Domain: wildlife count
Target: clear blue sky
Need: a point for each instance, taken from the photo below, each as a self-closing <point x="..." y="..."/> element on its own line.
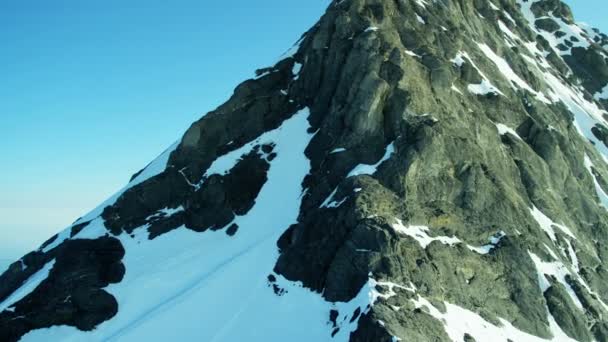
<point x="91" y="91"/>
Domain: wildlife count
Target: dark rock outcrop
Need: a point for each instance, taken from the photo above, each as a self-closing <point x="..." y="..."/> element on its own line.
<point x="447" y="160"/>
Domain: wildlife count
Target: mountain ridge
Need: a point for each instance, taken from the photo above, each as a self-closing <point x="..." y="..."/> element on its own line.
<point x="451" y="163"/>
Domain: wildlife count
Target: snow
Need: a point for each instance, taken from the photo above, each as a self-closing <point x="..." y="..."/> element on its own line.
<point x="412" y="53"/>
<point x="486" y="249"/>
<point x="330" y="202"/>
<point x="602" y="94"/>
<point x="454" y="88"/>
<point x="223" y="164"/>
<point x="510" y="37"/>
<point x="509" y="74"/>
<point x="598" y="188"/>
<point x="61" y="237"/>
<point x="587" y="114"/>
<point x="505" y="29"/>
<point x="459" y="321"/>
<point x="371" y="29"/>
<point x="573" y="257"/>
<point x="297" y="67"/>
<point x="420" y="20"/>
<point x="509" y="17"/>
<point x="374" y="294"/>
<point x="559" y="271"/>
<point x="166" y="212"/>
<point x="570" y="30"/>
<point x="547" y="224"/>
<point x="94" y="230"/>
<point x="420" y="234"/>
<point x="504" y="129"/>
<point x="28" y="286"/>
<point x="183" y="269"/>
<point x="551" y="252"/>
<point x="365" y="169"/>
<point x="422" y="3"/>
<point x="504" y="68"/>
<point x="154" y="168"/>
<point x="459" y="59"/>
<point x="483" y="88"/>
<point x="338" y="150"/>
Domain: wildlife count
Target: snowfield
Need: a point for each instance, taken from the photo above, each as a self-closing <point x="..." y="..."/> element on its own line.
<point x="177" y="281"/>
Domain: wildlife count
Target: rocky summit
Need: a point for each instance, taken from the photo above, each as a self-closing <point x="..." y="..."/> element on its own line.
<point x="412" y="170"/>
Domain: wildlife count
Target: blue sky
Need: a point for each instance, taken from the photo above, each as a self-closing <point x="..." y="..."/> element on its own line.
<point x="90" y="93"/>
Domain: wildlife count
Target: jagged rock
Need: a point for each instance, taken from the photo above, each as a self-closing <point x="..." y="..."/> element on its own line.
<point x="547" y="24"/>
<point x="72" y="294"/>
<point x="443" y="158"/>
<point x="563" y="309"/>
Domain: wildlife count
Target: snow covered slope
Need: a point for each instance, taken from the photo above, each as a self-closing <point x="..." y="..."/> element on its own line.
<point x="416" y="170"/>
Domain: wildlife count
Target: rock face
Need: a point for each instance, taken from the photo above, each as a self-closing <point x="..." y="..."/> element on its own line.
<point x="416" y="170"/>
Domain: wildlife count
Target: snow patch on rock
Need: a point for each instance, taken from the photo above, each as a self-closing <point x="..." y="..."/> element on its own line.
<point x="28" y="286"/>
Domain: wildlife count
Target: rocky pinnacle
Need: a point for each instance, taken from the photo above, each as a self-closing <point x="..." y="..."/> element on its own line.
<point x="416" y="170"/>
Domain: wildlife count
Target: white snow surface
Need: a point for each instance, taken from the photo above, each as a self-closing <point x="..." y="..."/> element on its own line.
<point x="573" y="257"/>
<point x="486" y="249"/>
<point x="504" y="129"/>
<point x="365" y="169"/>
<point x="505" y="69"/>
<point x="558" y="270"/>
<point x="420" y="234"/>
<point x="297" y="67"/>
<point x="422" y="3"/>
<point x="184" y="271"/>
<point x="602" y="94"/>
<point x="598" y="188"/>
<point x="166" y="212"/>
<point x="483" y="88"/>
<point x="547" y="224"/>
<point x="420" y="20"/>
<point x="331" y="203"/>
<point x="412" y="53"/>
<point x="28" y="286"/>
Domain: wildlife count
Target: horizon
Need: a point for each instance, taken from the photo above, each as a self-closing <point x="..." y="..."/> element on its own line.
<point x="92" y="95"/>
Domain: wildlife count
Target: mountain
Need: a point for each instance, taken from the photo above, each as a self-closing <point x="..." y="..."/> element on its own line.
<point x="412" y="170"/>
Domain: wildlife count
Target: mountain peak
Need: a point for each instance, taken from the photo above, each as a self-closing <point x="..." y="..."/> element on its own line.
<point x="412" y="170"/>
